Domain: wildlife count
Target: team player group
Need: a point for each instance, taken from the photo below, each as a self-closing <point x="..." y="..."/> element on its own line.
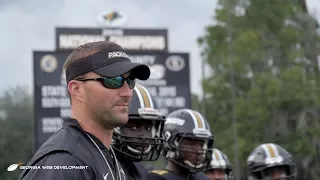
<point x="115" y="126"/>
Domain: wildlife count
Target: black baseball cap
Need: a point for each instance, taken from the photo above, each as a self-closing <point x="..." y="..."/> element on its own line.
<point x="110" y="62"/>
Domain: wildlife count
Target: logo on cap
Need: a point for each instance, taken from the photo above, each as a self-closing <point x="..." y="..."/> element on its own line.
<point x="117" y="54"/>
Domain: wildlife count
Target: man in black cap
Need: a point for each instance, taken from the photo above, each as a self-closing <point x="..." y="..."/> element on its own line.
<point x="100" y="78"/>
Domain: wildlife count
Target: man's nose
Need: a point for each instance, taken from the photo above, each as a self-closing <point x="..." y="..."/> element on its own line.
<point x="125" y="90"/>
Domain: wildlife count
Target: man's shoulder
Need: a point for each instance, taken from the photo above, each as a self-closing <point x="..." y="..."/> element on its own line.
<point x="59" y="157"/>
<point x="64" y="139"/>
<point x="67" y="137"/>
<point x="64" y="142"/>
<point x="200" y="176"/>
<point x="140" y="166"/>
<point x="168" y="175"/>
<point x="142" y="170"/>
<point x="56" y="161"/>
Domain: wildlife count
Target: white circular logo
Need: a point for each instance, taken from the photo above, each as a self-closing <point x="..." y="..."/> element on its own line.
<point x="48" y="63"/>
<point x="175" y="63"/>
<point x="111" y="18"/>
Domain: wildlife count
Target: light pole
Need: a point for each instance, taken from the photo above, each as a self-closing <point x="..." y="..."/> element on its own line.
<point x="233" y="90"/>
<point x="204" y="106"/>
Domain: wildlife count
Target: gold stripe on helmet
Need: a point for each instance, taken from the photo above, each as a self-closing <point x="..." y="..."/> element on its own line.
<point x="216" y="155"/>
<point x="145" y="97"/>
<point x="271" y="150"/>
<point x="198" y="118"/>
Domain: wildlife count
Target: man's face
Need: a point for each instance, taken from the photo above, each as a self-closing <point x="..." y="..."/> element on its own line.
<point x="216" y="174"/>
<point x="138" y="128"/>
<point x="192" y="150"/>
<point x="108" y="106"/>
<point x="275" y="172"/>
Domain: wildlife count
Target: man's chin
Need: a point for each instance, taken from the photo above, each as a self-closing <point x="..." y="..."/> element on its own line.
<point x="122" y="119"/>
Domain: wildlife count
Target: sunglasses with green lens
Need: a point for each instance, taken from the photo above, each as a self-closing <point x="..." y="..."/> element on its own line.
<point x="113" y="82"/>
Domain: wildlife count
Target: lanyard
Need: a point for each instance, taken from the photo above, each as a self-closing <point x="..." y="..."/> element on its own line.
<point x="110" y="170"/>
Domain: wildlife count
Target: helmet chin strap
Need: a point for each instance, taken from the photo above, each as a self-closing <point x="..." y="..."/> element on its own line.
<point x="136" y="151"/>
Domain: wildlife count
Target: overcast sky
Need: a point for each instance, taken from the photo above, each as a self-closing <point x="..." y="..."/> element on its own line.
<point x="28" y="25"/>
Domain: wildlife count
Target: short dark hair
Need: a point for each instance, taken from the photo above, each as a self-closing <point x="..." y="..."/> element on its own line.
<point x="88" y="49"/>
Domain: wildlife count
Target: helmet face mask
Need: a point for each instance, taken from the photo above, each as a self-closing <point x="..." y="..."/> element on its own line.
<point x="276" y="172"/>
<point x="220" y="167"/>
<point x="190" y="152"/>
<point x="188" y="140"/>
<point x="138" y="144"/>
<point x="271" y="162"/>
<point x="218" y="174"/>
<point x="141" y="138"/>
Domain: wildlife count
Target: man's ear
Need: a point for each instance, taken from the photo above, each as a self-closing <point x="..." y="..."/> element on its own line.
<point x="76" y="90"/>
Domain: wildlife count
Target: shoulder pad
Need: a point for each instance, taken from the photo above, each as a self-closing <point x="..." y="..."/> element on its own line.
<point x="160" y="172"/>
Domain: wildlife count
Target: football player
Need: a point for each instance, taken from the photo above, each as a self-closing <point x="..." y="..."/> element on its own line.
<point x="187" y="147"/>
<point x="219" y="168"/>
<point x="271" y="162"/>
<point x="141" y="138"/>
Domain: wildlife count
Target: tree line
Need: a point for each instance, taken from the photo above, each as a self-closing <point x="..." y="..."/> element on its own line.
<point x="265" y="81"/>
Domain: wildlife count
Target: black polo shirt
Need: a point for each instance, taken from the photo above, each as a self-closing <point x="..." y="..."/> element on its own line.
<point x="71" y="146"/>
